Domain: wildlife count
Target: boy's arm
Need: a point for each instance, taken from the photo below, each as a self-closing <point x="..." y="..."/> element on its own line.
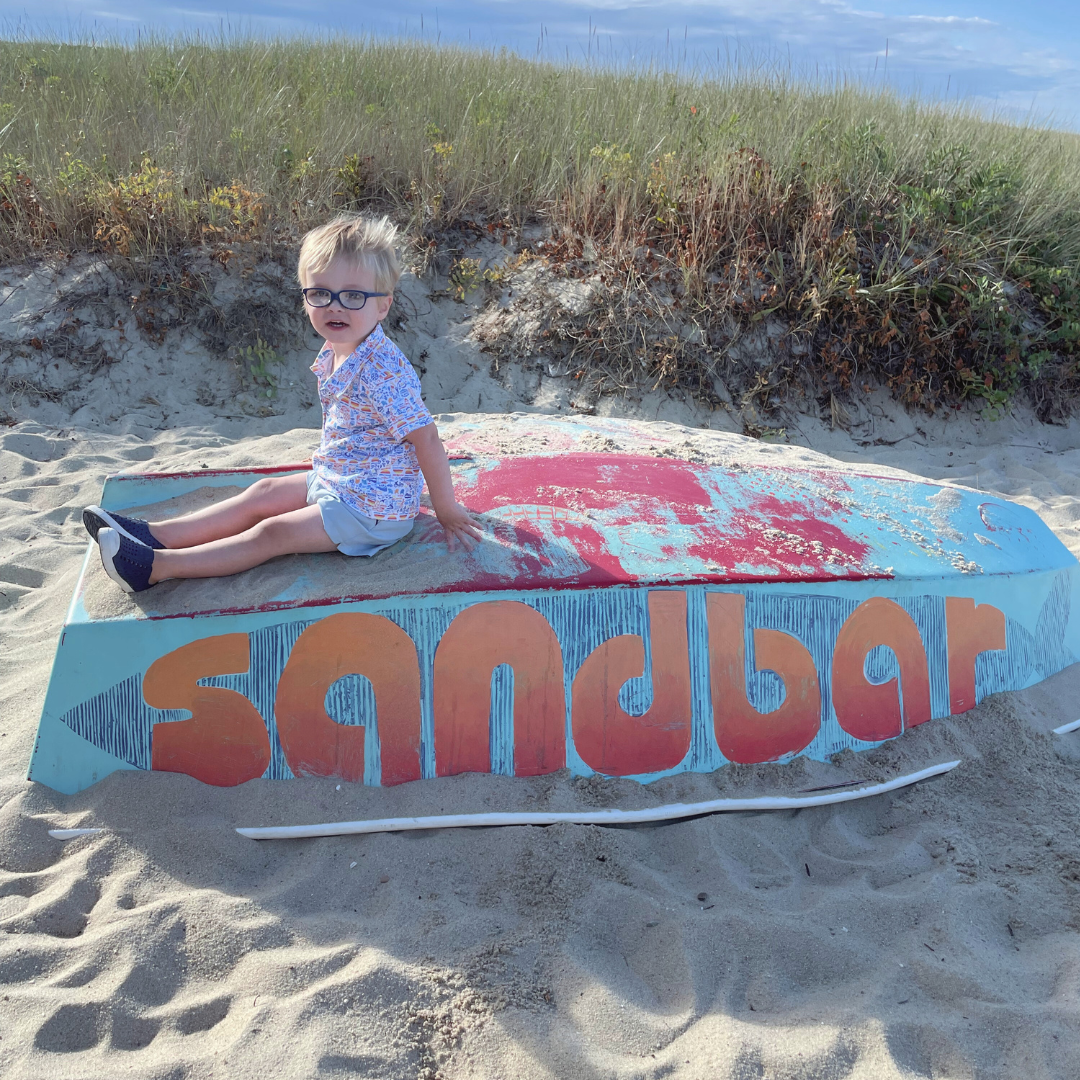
<point x="454" y="518"/>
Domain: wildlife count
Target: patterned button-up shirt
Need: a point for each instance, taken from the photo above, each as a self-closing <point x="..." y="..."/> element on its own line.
<point x="369" y="405"/>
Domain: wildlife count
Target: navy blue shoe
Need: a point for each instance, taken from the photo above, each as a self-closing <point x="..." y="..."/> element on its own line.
<point x="95" y="519"/>
<point x="125" y="560"/>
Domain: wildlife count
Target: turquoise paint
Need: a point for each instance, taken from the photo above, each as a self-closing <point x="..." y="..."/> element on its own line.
<point x="107" y="657"/>
<point x="125" y="490"/>
<point x="1029" y="575"/>
<point x="66" y="763"/>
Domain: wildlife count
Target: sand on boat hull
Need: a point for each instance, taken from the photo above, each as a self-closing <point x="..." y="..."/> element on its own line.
<point x="626" y="615"/>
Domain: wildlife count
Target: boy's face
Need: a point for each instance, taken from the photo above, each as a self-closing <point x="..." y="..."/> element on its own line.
<point x="344" y="328"/>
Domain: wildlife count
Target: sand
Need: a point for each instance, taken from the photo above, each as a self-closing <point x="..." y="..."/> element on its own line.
<point x="934" y="932"/>
<point x="421" y="562"/>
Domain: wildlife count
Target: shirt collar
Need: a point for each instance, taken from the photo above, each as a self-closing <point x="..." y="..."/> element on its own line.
<point x="362" y="351"/>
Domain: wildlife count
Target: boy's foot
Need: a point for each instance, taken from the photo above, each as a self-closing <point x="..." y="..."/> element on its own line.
<point x="125" y="560"/>
<point x="95" y="519"/>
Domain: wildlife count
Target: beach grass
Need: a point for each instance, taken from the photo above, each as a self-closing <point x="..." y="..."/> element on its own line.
<point x="921" y="244"/>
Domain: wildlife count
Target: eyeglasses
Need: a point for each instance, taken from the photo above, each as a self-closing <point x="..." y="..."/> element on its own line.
<point x="353" y="299"/>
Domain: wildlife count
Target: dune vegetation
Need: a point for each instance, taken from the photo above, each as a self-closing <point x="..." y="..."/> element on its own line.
<point x="894" y="240"/>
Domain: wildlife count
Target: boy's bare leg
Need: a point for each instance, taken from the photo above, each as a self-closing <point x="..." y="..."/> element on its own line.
<point x="286" y="534"/>
<point x="266" y="498"/>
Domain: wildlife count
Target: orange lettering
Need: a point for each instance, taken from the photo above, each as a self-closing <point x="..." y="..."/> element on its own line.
<point x="608" y="739"/>
<point x="865" y="710"/>
<point x="742" y="733"/>
<point x="225" y="742"/>
<point x="475" y="643"/>
<point x="971" y="630"/>
<point x="351" y="643"/>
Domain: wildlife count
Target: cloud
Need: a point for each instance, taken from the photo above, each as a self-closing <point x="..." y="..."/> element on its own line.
<point x="217" y="16"/>
<point x="944" y="20"/>
<point x="977" y="57"/>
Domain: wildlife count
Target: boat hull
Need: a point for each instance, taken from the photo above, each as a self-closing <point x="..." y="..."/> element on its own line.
<point x="655" y="652"/>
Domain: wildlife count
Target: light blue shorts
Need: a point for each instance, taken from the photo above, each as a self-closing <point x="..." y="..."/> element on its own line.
<point x="353" y="533"/>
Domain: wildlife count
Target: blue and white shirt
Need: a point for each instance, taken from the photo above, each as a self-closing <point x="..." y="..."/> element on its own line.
<point x="369" y="405"/>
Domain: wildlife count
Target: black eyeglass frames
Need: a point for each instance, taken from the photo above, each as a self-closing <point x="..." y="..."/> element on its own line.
<point x="353" y="299"/>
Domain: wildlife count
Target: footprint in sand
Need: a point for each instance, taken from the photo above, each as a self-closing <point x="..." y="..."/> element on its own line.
<point x="11" y="595"/>
<point x="138" y="453"/>
<point x="16" y="582"/>
<point x="34" y="447"/>
<point x="44" y="496"/>
<point x="14" y="574"/>
<point x="60" y="910"/>
<point x="73" y="1028"/>
<point x="204" y="1016"/>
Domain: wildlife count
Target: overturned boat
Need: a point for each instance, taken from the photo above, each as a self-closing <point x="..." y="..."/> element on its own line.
<point x="636" y="609"/>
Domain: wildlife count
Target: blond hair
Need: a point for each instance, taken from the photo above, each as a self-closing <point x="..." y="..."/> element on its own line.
<point x="368" y="242"/>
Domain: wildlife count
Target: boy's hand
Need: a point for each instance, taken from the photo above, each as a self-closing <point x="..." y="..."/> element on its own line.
<point x="460" y="526"/>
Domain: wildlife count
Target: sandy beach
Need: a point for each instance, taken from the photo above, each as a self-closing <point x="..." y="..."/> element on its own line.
<point x="933" y="932"/>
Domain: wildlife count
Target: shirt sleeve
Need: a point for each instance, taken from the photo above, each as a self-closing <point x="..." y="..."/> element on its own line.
<point x="394" y="392"/>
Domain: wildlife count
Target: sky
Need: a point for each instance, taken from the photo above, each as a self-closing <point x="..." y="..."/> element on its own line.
<point x="1021" y="60"/>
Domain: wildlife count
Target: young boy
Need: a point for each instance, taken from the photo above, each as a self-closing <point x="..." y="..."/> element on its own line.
<point x="363" y="492"/>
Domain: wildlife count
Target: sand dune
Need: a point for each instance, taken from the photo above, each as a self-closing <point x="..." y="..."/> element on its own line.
<point x="932" y="932"/>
